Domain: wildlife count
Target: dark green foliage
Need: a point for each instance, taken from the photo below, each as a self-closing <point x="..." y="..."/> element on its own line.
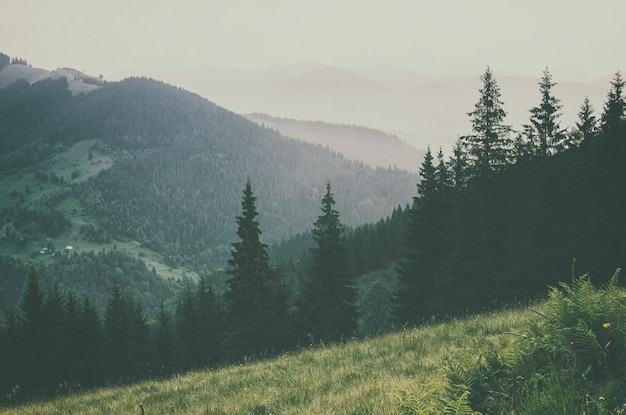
<point x="198" y="329"/>
<point x="256" y="300"/>
<point x="488" y="148"/>
<point x="612" y="119"/>
<point x="327" y="302"/>
<point x="424" y="243"/>
<point x="570" y="361"/>
<point x="90" y="275"/>
<point x="544" y="126"/>
<point x="586" y="126"/>
<point x="31" y="336"/>
<point x="502" y="237"/>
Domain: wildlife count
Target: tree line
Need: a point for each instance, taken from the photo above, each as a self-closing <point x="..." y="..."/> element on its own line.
<point x="507" y="214"/>
<point x="57" y="343"/>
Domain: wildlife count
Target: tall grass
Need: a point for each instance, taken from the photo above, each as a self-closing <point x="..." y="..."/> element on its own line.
<point x="361" y="377"/>
<point x="570" y="361"/>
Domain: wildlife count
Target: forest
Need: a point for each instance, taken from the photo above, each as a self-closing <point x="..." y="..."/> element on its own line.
<point x="508" y="214"/>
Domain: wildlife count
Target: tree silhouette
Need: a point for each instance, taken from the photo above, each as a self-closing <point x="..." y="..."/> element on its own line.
<point x="488" y="148"/>
<point x="327" y="303"/>
<point x="256" y="298"/>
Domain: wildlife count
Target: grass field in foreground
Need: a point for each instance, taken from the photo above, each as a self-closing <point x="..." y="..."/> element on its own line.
<point x="360" y="377"/>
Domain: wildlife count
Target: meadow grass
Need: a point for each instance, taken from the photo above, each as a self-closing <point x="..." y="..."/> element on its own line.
<point x="360" y="377"/>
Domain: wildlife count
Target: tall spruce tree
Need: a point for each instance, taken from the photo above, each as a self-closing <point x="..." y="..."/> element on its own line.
<point x="544" y="120"/>
<point x="614" y="108"/>
<point x="256" y="298"/>
<point x="489" y="147"/>
<point x="327" y="303"/>
<point x="421" y="245"/>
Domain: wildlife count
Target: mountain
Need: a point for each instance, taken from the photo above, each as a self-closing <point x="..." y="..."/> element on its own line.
<point x="420" y="109"/>
<point x="372" y="147"/>
<point x="157" y="172"/>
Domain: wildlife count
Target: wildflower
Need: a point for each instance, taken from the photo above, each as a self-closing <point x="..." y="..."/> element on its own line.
<point x="601" y="398"/>
<point x="606" y="325"/>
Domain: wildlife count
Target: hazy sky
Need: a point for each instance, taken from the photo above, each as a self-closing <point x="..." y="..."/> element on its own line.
<point x="446" y="37"/>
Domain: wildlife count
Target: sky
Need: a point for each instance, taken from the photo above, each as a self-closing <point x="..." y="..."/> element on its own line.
<point x="435" y="37"/>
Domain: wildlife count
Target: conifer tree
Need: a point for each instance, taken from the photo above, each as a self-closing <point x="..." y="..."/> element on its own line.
<point x="458" y="165"/>
<point x="328" y="300"/>
<point x="256" y="298"/>
<point x="116" y="333"/>
<point x="31" y="352"/>
<point x="489" y="147"/>
<point x="614" y="108"/>
<point x="421" y="245"/>
<point x="544" y="125"/>
<point x="91" y="340"/>
<point x="443" y="175"/>
<point x="586" y="126"/>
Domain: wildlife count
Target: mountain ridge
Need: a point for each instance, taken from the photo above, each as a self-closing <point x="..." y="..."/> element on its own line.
<point x="361" y="144"/>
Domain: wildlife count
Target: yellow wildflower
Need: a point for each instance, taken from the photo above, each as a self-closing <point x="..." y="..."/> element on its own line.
<point x="606" y="325"/>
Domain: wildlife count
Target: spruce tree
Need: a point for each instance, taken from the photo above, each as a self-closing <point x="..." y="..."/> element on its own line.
<point x="92" y="345"/>
<point x="256" y="299"/>
<point x="544" y="125"/>
<point x="31" y="353"/>
<point x="458" y="165"/>
<point x="328" y="301"/>
<point x="586" y="126"/>
<point x="422" y="241"/>
<point x="489" y="147"/>
<point x="117" y="336"/>
<point x="614" y="108"/>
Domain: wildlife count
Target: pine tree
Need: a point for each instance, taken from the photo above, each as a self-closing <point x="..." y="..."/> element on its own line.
<point x="458" y="165"/>
<point x="422" y="244"/>
<point x="31" y="352"/>
<point x="586" y="126"/>
<point x="256" y="298"/>
<point x="489" y="148"/>
<point x="327" y="303"/>
<point x="92" y="343"/>
<point x="544" y="125"/>
<point x="614" y="108"/>
<point x="443" y="175"/>
<point x="117" y="336"/>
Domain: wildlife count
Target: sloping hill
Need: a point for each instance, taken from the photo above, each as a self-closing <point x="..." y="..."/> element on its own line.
<point x="372" y="147"/>
<point x="361" y="377"/>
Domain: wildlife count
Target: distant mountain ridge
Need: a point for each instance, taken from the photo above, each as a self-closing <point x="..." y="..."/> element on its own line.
<point x="423" y="110"/>
<point x="372" y="147"/>
<point x="77" y="81"/>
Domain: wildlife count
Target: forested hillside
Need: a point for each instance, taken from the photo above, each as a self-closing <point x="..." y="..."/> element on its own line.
<point x="372" y="147"/>
<point x="171" y="165"/>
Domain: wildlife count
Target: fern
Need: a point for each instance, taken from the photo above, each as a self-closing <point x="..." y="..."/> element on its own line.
<point x="460" y="407"/>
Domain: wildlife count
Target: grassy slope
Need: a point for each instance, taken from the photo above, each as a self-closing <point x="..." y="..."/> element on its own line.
<point x="361" y="377"/>
<point x="76" y="158"/>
